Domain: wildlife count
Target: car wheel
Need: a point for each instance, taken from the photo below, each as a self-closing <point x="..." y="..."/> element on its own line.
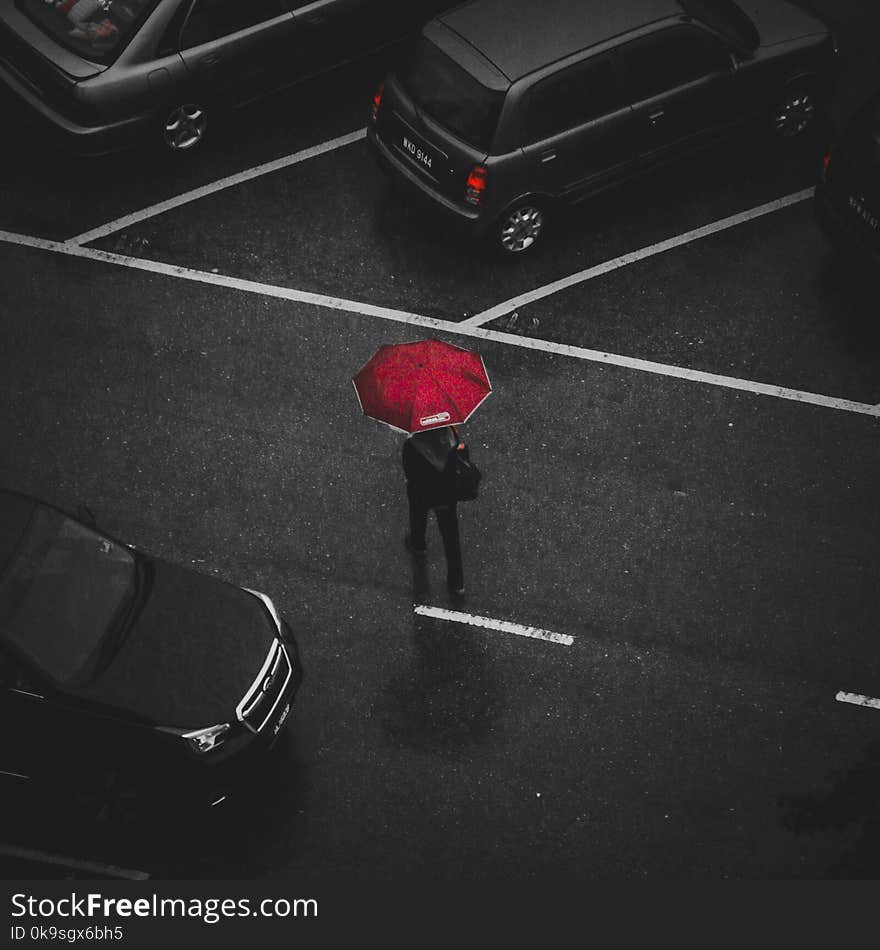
<point x="185" y="127"/>
<point x="795" y="111"/>
<point x="520" y="226"/>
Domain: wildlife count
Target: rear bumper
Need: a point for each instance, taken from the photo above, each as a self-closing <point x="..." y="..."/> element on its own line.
<point x="473" y="221"/>
<point x="70" y="134"/>
<point x="842" y="235"/>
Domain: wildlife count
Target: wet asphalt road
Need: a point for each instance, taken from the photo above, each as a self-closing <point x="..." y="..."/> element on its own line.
<point x="713" y="553"/>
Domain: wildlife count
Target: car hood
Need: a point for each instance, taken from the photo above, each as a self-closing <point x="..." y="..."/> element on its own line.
<point x="780" y="22"/>
<point x="195" y="648"/>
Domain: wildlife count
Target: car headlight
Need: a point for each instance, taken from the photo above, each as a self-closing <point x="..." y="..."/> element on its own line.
<point x="204" y="740"/>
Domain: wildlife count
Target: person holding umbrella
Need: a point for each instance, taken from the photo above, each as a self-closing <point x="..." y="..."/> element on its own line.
<point x="428" y="467"/>
<point x="424" y="389"/>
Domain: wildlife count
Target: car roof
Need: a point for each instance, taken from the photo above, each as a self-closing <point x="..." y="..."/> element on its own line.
<point x="523" y="36"/>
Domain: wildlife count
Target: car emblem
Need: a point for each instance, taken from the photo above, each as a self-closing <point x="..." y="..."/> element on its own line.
<point x="857" y="203"/>
<point x="267" y="682"/>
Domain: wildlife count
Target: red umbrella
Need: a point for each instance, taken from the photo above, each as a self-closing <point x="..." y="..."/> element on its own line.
<point x="422" y="385"/>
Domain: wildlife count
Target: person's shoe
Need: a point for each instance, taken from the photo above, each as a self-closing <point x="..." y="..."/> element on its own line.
<point x="418" y="552"/>
<point x="456" y="591"/>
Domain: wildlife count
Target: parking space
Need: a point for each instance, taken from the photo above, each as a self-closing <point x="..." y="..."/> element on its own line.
<point x="798" y="320"/>
<point x="705" y="554"/>
<point x="52" y="193"/>
<point x="333" y="225"/>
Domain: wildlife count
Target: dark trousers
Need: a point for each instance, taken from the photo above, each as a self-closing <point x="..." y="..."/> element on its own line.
<point x="447" y="521"/>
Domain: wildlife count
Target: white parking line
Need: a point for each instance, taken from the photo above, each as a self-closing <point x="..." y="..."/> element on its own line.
<point x="445" y="326"/>
<point x="857" y="700"/>
<point x="503" y="626"/>
<point x="229" y="182"/>
<point x="75" y="864"/>
<point x="522" y="300"/>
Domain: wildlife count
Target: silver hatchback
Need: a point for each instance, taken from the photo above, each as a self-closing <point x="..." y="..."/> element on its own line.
<point x="108" y="73"/>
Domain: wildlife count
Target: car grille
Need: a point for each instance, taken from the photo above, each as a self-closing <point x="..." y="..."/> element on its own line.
<point x="256" y="709"/>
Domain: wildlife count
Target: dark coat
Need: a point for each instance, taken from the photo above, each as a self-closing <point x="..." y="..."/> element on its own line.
<point x="427" y="484"/>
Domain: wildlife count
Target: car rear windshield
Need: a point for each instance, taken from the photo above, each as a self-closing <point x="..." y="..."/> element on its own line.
<point x="97" y="30"/>
<point x="449" y="94"/>
<point x="62" y="592"/>
<point x="726" y="18"/>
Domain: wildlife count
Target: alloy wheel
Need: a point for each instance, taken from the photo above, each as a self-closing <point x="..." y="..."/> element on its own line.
<point x="520" y="228"/>
<point x="185" y="127"/>
<point x="794" y="114"/>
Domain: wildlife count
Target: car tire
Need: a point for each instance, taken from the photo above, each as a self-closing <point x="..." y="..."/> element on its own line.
<point x="796" y="111"/>
<point x="184" y="127"/>
<point x="520" y="227"/>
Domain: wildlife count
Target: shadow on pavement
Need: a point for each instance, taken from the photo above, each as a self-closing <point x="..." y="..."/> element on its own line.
<point x="225" y="841"/>
<point x="852" y="801"/>
<point x="847" y="287"/>
<point x="448" y="698"/>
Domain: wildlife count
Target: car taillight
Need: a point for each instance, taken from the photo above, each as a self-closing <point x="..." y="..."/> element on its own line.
<point x="377" y="100"/>
<point x="475" y="185"/>
<point x="826" y="161"/>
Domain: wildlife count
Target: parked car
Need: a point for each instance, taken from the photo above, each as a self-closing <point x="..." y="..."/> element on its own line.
<point x="108" y="73"/>
<point x="124" y="674"/>
<point x="847" y="196"/>
<point x="506" y="108"/>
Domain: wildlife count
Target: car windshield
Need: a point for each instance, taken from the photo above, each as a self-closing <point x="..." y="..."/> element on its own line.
<point x="450" y="95"/>
<point x="62" y="593"/>
<point x="726" y="18"/>
<point x="94" y="29"/>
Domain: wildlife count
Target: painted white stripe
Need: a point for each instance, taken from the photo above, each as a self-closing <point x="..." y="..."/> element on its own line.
<point x="633" y="257"/>
<point x="229" y="182"/>
<point x="60" y="860"/>
<point x="857" y="700"/>
<point x="503" y="626"/>
<point x="445" y="326"/>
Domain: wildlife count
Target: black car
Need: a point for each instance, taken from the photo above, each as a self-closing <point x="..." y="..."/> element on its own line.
<point x="847" y="197"/>
<point x="109" y="73"/>
<point x="121" y="673"/>
<point x="507" y="107"/>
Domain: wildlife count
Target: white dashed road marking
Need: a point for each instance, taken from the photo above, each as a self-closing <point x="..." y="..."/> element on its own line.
<point x="445" y="326"/>
<point x="507" y="306"/>
<point x="503" y="626"/>
<point x="857" y="700"/>
<point x="229" y="182"/>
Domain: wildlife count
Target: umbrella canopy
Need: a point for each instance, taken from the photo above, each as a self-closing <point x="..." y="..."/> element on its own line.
<point x="422" y="385"/>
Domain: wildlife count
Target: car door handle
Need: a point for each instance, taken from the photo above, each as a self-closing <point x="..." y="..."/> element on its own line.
<point x="210" y="60"/>
<point x="549" y="155"/>
<point x="655" y="117"/>
<point x="314" y="19"/>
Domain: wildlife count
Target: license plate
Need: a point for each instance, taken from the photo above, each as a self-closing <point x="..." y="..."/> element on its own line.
<point x="418" y="152"/>
<point x="859" y="209"/>
<point x="284" y="714"/>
